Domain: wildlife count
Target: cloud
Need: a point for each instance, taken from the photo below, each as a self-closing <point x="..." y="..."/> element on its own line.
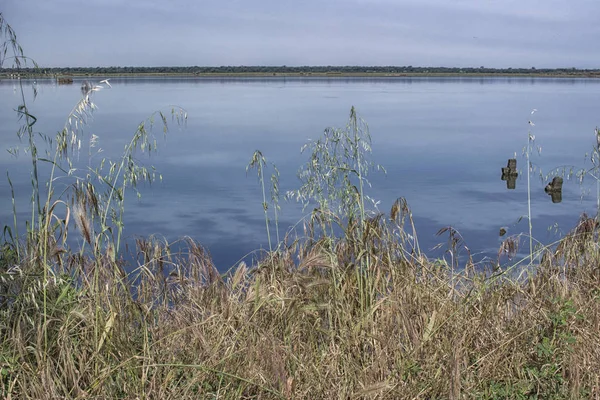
<point x="519" y="33"/>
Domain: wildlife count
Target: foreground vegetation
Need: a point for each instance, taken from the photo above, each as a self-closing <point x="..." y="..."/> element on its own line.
<point x="322" y="327"/>
<point x="350" y="308"/>
<point x="319" y="327"/>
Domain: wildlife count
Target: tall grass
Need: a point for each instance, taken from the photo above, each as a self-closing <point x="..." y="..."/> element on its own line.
<point x="352" y="310"/>
<point x="259" y="162"/>
<point x="528" y="151"/>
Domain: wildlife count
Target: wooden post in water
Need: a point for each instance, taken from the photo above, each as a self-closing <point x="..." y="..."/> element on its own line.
<point x="510" y="174"/>
<point x="554" y="189"/>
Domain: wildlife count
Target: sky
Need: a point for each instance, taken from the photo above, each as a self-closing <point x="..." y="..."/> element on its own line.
<point x="451" y="33"/>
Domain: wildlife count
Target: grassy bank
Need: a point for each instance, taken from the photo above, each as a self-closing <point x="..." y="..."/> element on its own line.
<point x="356" y="317"/>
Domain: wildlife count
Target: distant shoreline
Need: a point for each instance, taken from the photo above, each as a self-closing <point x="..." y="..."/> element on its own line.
<point x="594" y="74"/>
<point x="67" y="73"/>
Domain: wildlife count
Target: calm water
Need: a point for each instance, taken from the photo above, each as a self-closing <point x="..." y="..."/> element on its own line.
<point x="442" y="141"/>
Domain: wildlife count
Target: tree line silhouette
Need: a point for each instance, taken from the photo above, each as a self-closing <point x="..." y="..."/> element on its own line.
<point x="300" y="70"/>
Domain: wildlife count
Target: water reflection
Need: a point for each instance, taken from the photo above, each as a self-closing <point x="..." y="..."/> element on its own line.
<point x="309" y="80"/>
<point x="440" y="140"/>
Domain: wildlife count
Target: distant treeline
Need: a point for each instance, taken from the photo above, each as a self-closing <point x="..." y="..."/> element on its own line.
<point x="306" y="70"/>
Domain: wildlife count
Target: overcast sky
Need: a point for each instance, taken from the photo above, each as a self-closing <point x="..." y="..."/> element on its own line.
<point x="466" y="33"/>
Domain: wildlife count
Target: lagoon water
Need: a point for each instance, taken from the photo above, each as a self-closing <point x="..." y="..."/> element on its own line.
<point x="443" y="142"/>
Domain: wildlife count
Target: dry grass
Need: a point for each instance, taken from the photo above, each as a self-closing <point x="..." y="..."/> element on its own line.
<point x="288" y="328"/>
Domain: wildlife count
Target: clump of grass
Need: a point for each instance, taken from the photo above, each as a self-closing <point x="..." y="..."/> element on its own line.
<point x="333" y="181"/>
<point x="335" y="176"/>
